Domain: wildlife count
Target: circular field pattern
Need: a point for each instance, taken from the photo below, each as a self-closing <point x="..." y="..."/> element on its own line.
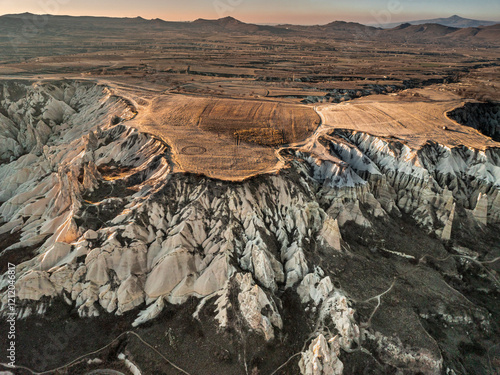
<point x="193" y="150"/>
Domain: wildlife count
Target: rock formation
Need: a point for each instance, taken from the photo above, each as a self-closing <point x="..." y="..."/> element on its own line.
<point x="116" y="231"/>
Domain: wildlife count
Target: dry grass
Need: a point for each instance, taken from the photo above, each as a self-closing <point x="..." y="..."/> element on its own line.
<point x="416" y="121"/>
<point x="113" y="173"/>
<point x="261" y="136"/>
<point x="232" y="116"/>
<point x="238" y="136"/>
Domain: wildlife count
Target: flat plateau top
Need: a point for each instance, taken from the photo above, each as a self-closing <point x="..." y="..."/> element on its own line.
<point x="413" y="117"/>
<point x="228" y="139"/>
<point x="234" y="139"/>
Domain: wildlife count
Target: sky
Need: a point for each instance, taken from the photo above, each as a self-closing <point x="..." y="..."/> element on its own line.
<point x="265" y="11"/>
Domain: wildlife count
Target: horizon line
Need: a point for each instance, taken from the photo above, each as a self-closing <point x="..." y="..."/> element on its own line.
<point x="238" y="19"/>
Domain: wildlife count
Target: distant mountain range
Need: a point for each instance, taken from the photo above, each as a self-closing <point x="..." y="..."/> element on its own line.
<point x="453" y="21"/>
<point x="232" y="24"/>
<point x="85" y="27"/>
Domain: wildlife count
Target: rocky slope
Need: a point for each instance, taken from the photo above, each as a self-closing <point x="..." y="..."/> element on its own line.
<point x="453" y="21"/>
<point x="362" y="255"/>
<point x="484" y="117"/>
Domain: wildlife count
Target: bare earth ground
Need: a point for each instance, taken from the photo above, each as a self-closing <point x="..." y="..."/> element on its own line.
<point x="413" y="116"/>
<point x="210" y="135"/>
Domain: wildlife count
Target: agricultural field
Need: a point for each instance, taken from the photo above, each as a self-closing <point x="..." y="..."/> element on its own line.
<point x="225" y="138"/>
<point x="413" y="117"/>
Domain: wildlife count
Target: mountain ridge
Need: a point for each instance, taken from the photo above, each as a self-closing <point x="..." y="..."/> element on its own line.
<point x="453" y="21"/>
<point x="427" y="32"/>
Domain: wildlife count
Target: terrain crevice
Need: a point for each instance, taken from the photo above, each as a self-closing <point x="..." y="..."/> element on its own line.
<point x="485" y="117"/>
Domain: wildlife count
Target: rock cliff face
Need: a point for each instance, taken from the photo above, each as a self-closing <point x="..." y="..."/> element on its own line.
<point x="362" y="254"/>
<point x="484" y="117"/>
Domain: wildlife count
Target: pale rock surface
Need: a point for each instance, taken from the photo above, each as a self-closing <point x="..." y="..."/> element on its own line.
<point x="130" y="294"/>
<point x="446" y="235"/>
<point x="61" y="279"/>
<point x="108" y="298"/>
<point x="314" y="288"/>
<point x="342" y="315"/>
<point x="90" y="235"/>
<point x="173" y="236"/>
<point x="150" y="313"/>
<point x="481" y="210"/>
<point x="333" y="305"/>
<point x="393" y="351"/>
<point x="169" y="272"/>
<point x="252" y="300"/>
<point x="322" y="358"/>
<point x="295" y="264"/>
<point x="35" y="285"/>
<point x="348" y="211"/>
<point x="54" y="254"/>
<point x="331" y="233"/>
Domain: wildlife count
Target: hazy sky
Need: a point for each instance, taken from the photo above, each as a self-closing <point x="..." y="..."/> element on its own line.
<point x="266" y="11"/>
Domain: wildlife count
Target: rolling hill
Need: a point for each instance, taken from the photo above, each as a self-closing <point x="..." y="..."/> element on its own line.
<point x="453" y="21"/>
<point x="137" y="28"/>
